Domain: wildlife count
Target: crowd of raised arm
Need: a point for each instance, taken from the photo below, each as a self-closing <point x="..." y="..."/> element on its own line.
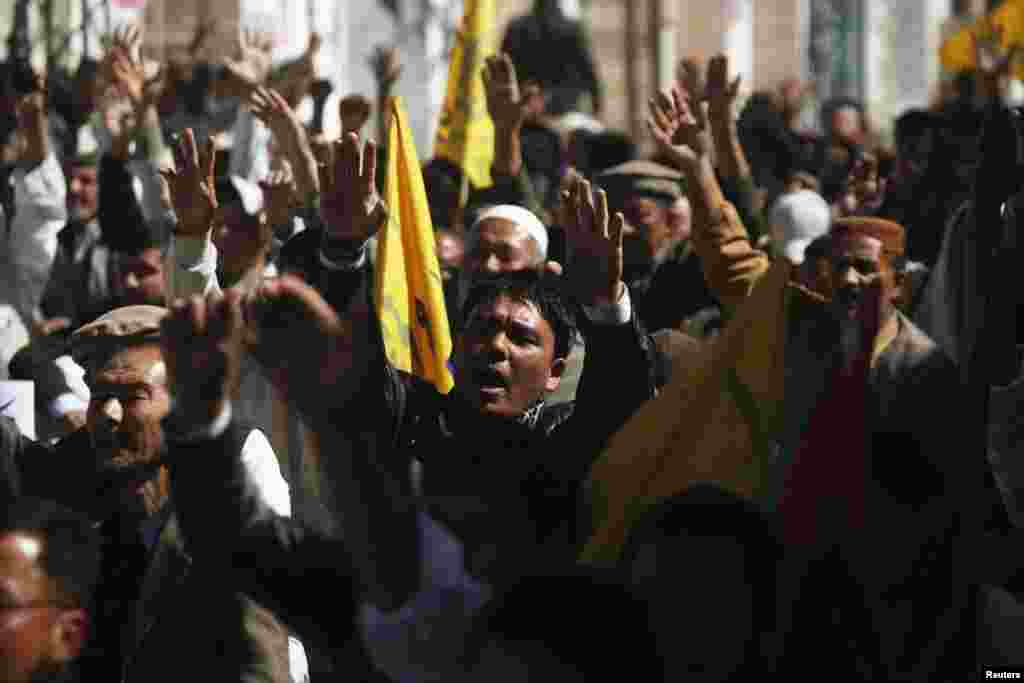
<point x="746" y="406"/>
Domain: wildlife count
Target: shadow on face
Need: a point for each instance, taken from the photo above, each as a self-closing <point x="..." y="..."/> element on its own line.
<point x="856" y="261"/>
<point x="83" y="192"/>
<point x="140" y="278"/>
<point x="128" y="400"/>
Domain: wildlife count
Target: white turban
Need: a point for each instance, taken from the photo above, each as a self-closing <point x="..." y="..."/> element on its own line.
<point x="515" y="214"/>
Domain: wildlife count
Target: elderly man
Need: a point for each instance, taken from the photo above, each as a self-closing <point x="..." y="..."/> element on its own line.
<point x="114" y="470"/>
<point x="49" y="566"/>
<point x="438" y="497"/>
<point x="662" y="270"/>
<point x="922" y="494"/>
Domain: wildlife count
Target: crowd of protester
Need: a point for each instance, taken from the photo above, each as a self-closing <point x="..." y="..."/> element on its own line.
<point x="183" y="250"/>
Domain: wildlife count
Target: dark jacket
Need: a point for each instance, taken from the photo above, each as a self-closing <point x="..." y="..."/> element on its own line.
<point x="486" y="481"/>
<point x="673" y="292"/>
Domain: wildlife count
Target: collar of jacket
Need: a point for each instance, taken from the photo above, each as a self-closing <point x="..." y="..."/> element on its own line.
<point x="457" y="418"/>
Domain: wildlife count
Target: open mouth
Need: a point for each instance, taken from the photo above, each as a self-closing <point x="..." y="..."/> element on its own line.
<point x="489" y="380"/>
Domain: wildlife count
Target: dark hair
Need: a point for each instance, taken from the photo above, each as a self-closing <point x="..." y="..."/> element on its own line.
<point x="568" y="612"/>
<point x="705" y="510"/>
<point x="542" y="289"/>
<point x="71" y="546"/>
<point x="913" y="124"/>
<point x="593" y="153"/>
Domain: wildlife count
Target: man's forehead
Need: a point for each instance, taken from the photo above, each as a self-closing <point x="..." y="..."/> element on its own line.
<point x="83" y="171"/>
<point x="501" y="230"/>
<point x="526" y="312"/>
<point x="143" y="363"/>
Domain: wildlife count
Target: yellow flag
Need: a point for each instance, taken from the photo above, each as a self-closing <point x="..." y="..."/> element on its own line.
<point x="409" y="293"/>
<point x="957" y="53"/>
<point x="465" y="134"/>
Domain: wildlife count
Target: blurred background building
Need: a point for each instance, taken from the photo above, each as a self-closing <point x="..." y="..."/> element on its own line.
<point x="880" y="51"/>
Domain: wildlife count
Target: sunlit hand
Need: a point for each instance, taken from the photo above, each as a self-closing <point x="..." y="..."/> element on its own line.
<point x="191" y="184"/>
<point x="350" y="205"/>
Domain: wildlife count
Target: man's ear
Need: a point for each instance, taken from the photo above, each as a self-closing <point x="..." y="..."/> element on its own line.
<point x="557" y="368"/>
<point x="69" y="635"/>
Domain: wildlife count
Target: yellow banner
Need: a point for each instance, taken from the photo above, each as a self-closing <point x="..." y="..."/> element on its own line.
<point x="465" y="134"/>
<point x="958" y="53"/>
<point x="409" y="293"/>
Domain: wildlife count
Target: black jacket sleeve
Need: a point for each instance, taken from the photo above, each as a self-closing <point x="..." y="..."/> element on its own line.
<point x="120" y="216"/>
<point x="620" y="373"/>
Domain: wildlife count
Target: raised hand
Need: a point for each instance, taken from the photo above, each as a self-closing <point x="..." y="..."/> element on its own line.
<point x="250" y="66"/>
<point x="350" y="206"/>
<point x="295" y="78"/>
<point x="204" y="29"/>
<point x="863" y="190"/>
<point x="690" y="82"/>
<point x="386" y="67"/>
<point x="31" y="116"/>
<point x="595" y="245"/>
<point x="302" y="344"/>
<point x="679" y="134"/>
<point x="354" y="112"/>
<point x="127" y="72"/>
<point x="279" y="195"/>
<point x="270" y="107"/>
<point x="720" y="92"/>
<point x="508" y="106"/>
<point x="202" y="341"/>
<point x="191" y="185"/>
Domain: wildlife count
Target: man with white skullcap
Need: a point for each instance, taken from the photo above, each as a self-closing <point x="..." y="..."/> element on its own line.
<point x="503" y="239"/>
<point x="506" y="238"/>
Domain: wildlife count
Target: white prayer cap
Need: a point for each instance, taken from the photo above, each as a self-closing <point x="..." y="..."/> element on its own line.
<point x="524" y="218"/>
<point x="797" y="219"/>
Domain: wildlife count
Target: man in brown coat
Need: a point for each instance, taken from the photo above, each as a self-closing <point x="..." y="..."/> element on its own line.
<point x="912" y="617"/>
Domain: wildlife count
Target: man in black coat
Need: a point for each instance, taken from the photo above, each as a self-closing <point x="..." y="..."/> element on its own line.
<point x="439" y="498"/>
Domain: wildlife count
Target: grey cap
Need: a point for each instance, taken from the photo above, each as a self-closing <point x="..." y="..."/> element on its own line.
<point x="121" y="328"/>
<point x="646" y="178"/>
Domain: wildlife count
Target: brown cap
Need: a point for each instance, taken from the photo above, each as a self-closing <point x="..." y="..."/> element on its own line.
<point x="645" y="178"/>
<point x="890" y="234"/>
<point x="119" y="329"/>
